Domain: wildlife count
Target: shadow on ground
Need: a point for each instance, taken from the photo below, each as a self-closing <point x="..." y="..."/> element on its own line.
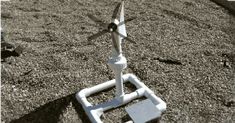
<point x="50" y="112"/>
<point x="226" y="4"/>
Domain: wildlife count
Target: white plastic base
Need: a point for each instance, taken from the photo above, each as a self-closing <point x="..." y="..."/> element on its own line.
<point x="95" y="111"/>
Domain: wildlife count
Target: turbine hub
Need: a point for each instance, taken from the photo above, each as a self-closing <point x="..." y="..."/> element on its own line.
<point x="112" y="27"/>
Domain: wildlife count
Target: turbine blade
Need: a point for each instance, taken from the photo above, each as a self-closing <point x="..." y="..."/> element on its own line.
<point x="122" y="28"/>
<point x="122" y="12"/>
<point x="127" y="20"/>
<point x="115" y="12"/>
<point x="95" y="19"/>
<point x="115" y="45"/>
<point x="97" y="35"/>
<point x="125" y="37"/>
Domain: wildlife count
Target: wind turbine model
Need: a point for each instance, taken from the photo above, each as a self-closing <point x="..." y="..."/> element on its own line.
<point x="141" y="112"/>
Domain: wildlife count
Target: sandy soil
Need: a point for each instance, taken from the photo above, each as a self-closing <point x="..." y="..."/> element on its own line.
<point x="58" y="61"/>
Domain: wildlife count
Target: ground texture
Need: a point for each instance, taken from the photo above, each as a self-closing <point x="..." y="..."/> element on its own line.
<point x="58" y="61"/>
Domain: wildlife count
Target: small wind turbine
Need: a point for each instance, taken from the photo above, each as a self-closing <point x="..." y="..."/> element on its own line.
<point x="117" y="28"/>
<point x="118" y="62"/>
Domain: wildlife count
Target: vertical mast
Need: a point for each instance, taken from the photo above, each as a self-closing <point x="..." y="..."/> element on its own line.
<point x="118" y="62"/>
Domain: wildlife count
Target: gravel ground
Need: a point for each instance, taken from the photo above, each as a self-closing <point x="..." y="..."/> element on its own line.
<point x="58" y="61"/>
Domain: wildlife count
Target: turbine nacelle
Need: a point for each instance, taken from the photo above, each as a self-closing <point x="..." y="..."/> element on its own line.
<point x="113" y="26"/>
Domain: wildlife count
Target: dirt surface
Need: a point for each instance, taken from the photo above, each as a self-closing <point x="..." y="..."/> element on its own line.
<point x="58" y="61"/>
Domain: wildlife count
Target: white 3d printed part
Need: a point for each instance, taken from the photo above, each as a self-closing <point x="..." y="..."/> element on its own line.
<point x="143" y="111"/>
<point x="117" y="63"/>
<point x="95" y="111"/>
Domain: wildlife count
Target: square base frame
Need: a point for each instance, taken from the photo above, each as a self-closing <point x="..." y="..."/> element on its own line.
<point x="95" y="111"/>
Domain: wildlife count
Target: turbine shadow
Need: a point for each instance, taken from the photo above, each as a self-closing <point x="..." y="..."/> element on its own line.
<point x="50" y="112"/>
<point x="5" y="54"/>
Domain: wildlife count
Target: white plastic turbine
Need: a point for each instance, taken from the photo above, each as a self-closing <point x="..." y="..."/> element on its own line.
<point x="118" y="63"/>
<point x="116" y="26"/>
